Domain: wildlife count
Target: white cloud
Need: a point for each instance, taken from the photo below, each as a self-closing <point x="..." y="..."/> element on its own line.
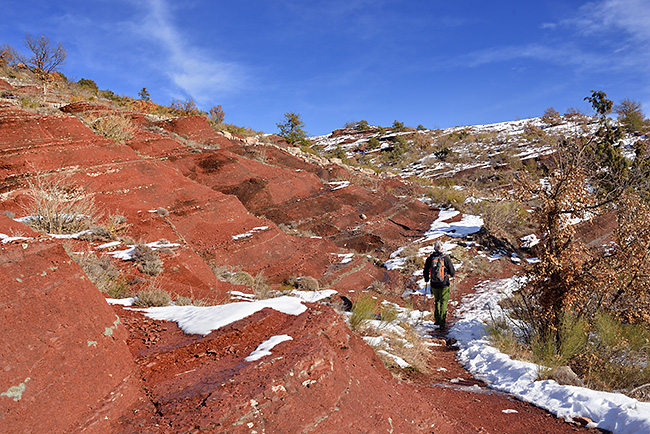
<point x="629" y="16"/>
<point x="195" y="71"/>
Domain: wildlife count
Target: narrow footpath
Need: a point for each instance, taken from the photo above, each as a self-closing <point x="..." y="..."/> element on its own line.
<point x="472" y="406"/>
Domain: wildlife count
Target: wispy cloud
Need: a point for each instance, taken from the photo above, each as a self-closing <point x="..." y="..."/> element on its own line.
<point x="195" y="71"/>
<point x="630" y="17"/>
<point x="561" y="55"/>
<point x="617" y="37"/>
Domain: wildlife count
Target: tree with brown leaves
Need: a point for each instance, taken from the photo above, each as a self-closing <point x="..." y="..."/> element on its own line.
<point x="590" y="176"/>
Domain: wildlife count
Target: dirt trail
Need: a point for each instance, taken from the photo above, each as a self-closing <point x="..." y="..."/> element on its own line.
<point x="468" y="402"/>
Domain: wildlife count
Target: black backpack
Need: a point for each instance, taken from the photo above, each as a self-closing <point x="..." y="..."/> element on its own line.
<point x="437" y="269"/>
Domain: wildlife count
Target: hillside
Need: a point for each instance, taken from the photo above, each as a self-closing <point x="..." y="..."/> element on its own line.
<point x="253" y="242"/>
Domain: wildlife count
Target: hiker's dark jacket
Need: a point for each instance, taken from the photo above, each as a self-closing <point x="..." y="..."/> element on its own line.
<point x="450" y="271"/>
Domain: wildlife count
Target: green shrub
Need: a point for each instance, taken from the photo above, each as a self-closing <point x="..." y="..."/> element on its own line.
<point x="363" y="309"/>
<point x="618" y="356"/>
<point x="373" y="143"/>
<point x="89" y="84"/>
<point x="572" y="341"/>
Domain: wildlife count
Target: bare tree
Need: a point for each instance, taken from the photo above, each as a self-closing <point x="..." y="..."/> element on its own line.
<point x="7" y="55"/>
<point x="44" y="58"/>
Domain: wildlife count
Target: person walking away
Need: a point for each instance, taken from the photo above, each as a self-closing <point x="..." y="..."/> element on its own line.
<point x="438" y="268"/>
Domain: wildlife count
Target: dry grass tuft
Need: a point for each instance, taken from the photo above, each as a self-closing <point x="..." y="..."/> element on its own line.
<point x="152" y="297"/>
<point x="148" y="260"/>
<point x="104" y="274"/>
<point x="58" y="206"/>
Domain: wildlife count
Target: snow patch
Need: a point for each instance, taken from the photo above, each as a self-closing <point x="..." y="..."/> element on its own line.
<point x="203" y="320"/>
<point x="264" y="349"/>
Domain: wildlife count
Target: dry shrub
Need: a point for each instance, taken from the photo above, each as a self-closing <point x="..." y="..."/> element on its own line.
<point x="104" y="274"/>
<point x="447" y="196"/>
<point x="261" y="287"/>
<point x="189" y="301"/>
<point x="116" y="127"/>
<point x="152" y="297"/>
<point x="411" y="348"/>
<point x="236" y="277"/>
<point x="413" y="261"/>
<point x="504" y="219"/>
<point x="378" y="287"/>
<point x="58" y="206"/>
<point x="306" y="283"/>
<point x="148" y="260"/>
<point x="551" y="117"/>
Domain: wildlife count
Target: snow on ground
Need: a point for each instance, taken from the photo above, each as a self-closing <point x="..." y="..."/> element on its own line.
<point x="7" y="239"/>
<point x="264" y="349"/>
<point x="469" y="224"/>
<point x="313" y="296"/>
<point x="203" y="320"/>
<point x="336" y="185"/>
<point x="529" y="241"/>
<point x="611" y="411"/>
<point x="347" y="257"/>
<point x="127" y="255"/>
<point x="250" y="233"/>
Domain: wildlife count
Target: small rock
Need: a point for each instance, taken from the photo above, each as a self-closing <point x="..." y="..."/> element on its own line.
<point x="582" y="420"/>
<point x="565" y="375"/>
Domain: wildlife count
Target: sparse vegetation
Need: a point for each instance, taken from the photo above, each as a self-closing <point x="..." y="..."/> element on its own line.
<point x="147" y="259"/>
<point x="117" y="127"/>
<point x="261" y="287"/>
<point x="363" y="309"/>
<point x="58" y="206"/>
<point x="104" y="274"/>
<point x="551" y="117"/>
<point x="152" y="297"/>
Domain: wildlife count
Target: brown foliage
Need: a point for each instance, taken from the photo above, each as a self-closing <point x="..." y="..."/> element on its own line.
<point x="184" y="108"/>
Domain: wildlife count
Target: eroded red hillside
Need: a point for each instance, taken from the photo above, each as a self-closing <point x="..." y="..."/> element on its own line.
<point x="222" y="200"/>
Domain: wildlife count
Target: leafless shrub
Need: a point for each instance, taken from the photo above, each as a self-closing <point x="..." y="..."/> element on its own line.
<point x="148" y="260"/>
<point x="152" y="297"/>
<point x="58" y="206"/>
<point x="306" y="283"/>
<point x="104" y="274"/>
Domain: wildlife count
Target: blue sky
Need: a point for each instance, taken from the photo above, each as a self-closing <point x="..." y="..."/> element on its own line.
<point x="430" y="62"/>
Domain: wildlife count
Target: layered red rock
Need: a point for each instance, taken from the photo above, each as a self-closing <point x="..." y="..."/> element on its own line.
<point x="65" y="363"/>
<point x="325" y="379"/>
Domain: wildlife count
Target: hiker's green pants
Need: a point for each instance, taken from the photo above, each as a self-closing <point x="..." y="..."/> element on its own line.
<point x="442" y="299"/>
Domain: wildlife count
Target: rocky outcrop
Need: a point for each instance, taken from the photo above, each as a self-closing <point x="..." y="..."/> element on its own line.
<point x="66" y="367"/>
<point x="221" y="201"/>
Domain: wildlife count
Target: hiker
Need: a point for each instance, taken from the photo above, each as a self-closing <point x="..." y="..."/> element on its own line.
<point x="438" y="269"/>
